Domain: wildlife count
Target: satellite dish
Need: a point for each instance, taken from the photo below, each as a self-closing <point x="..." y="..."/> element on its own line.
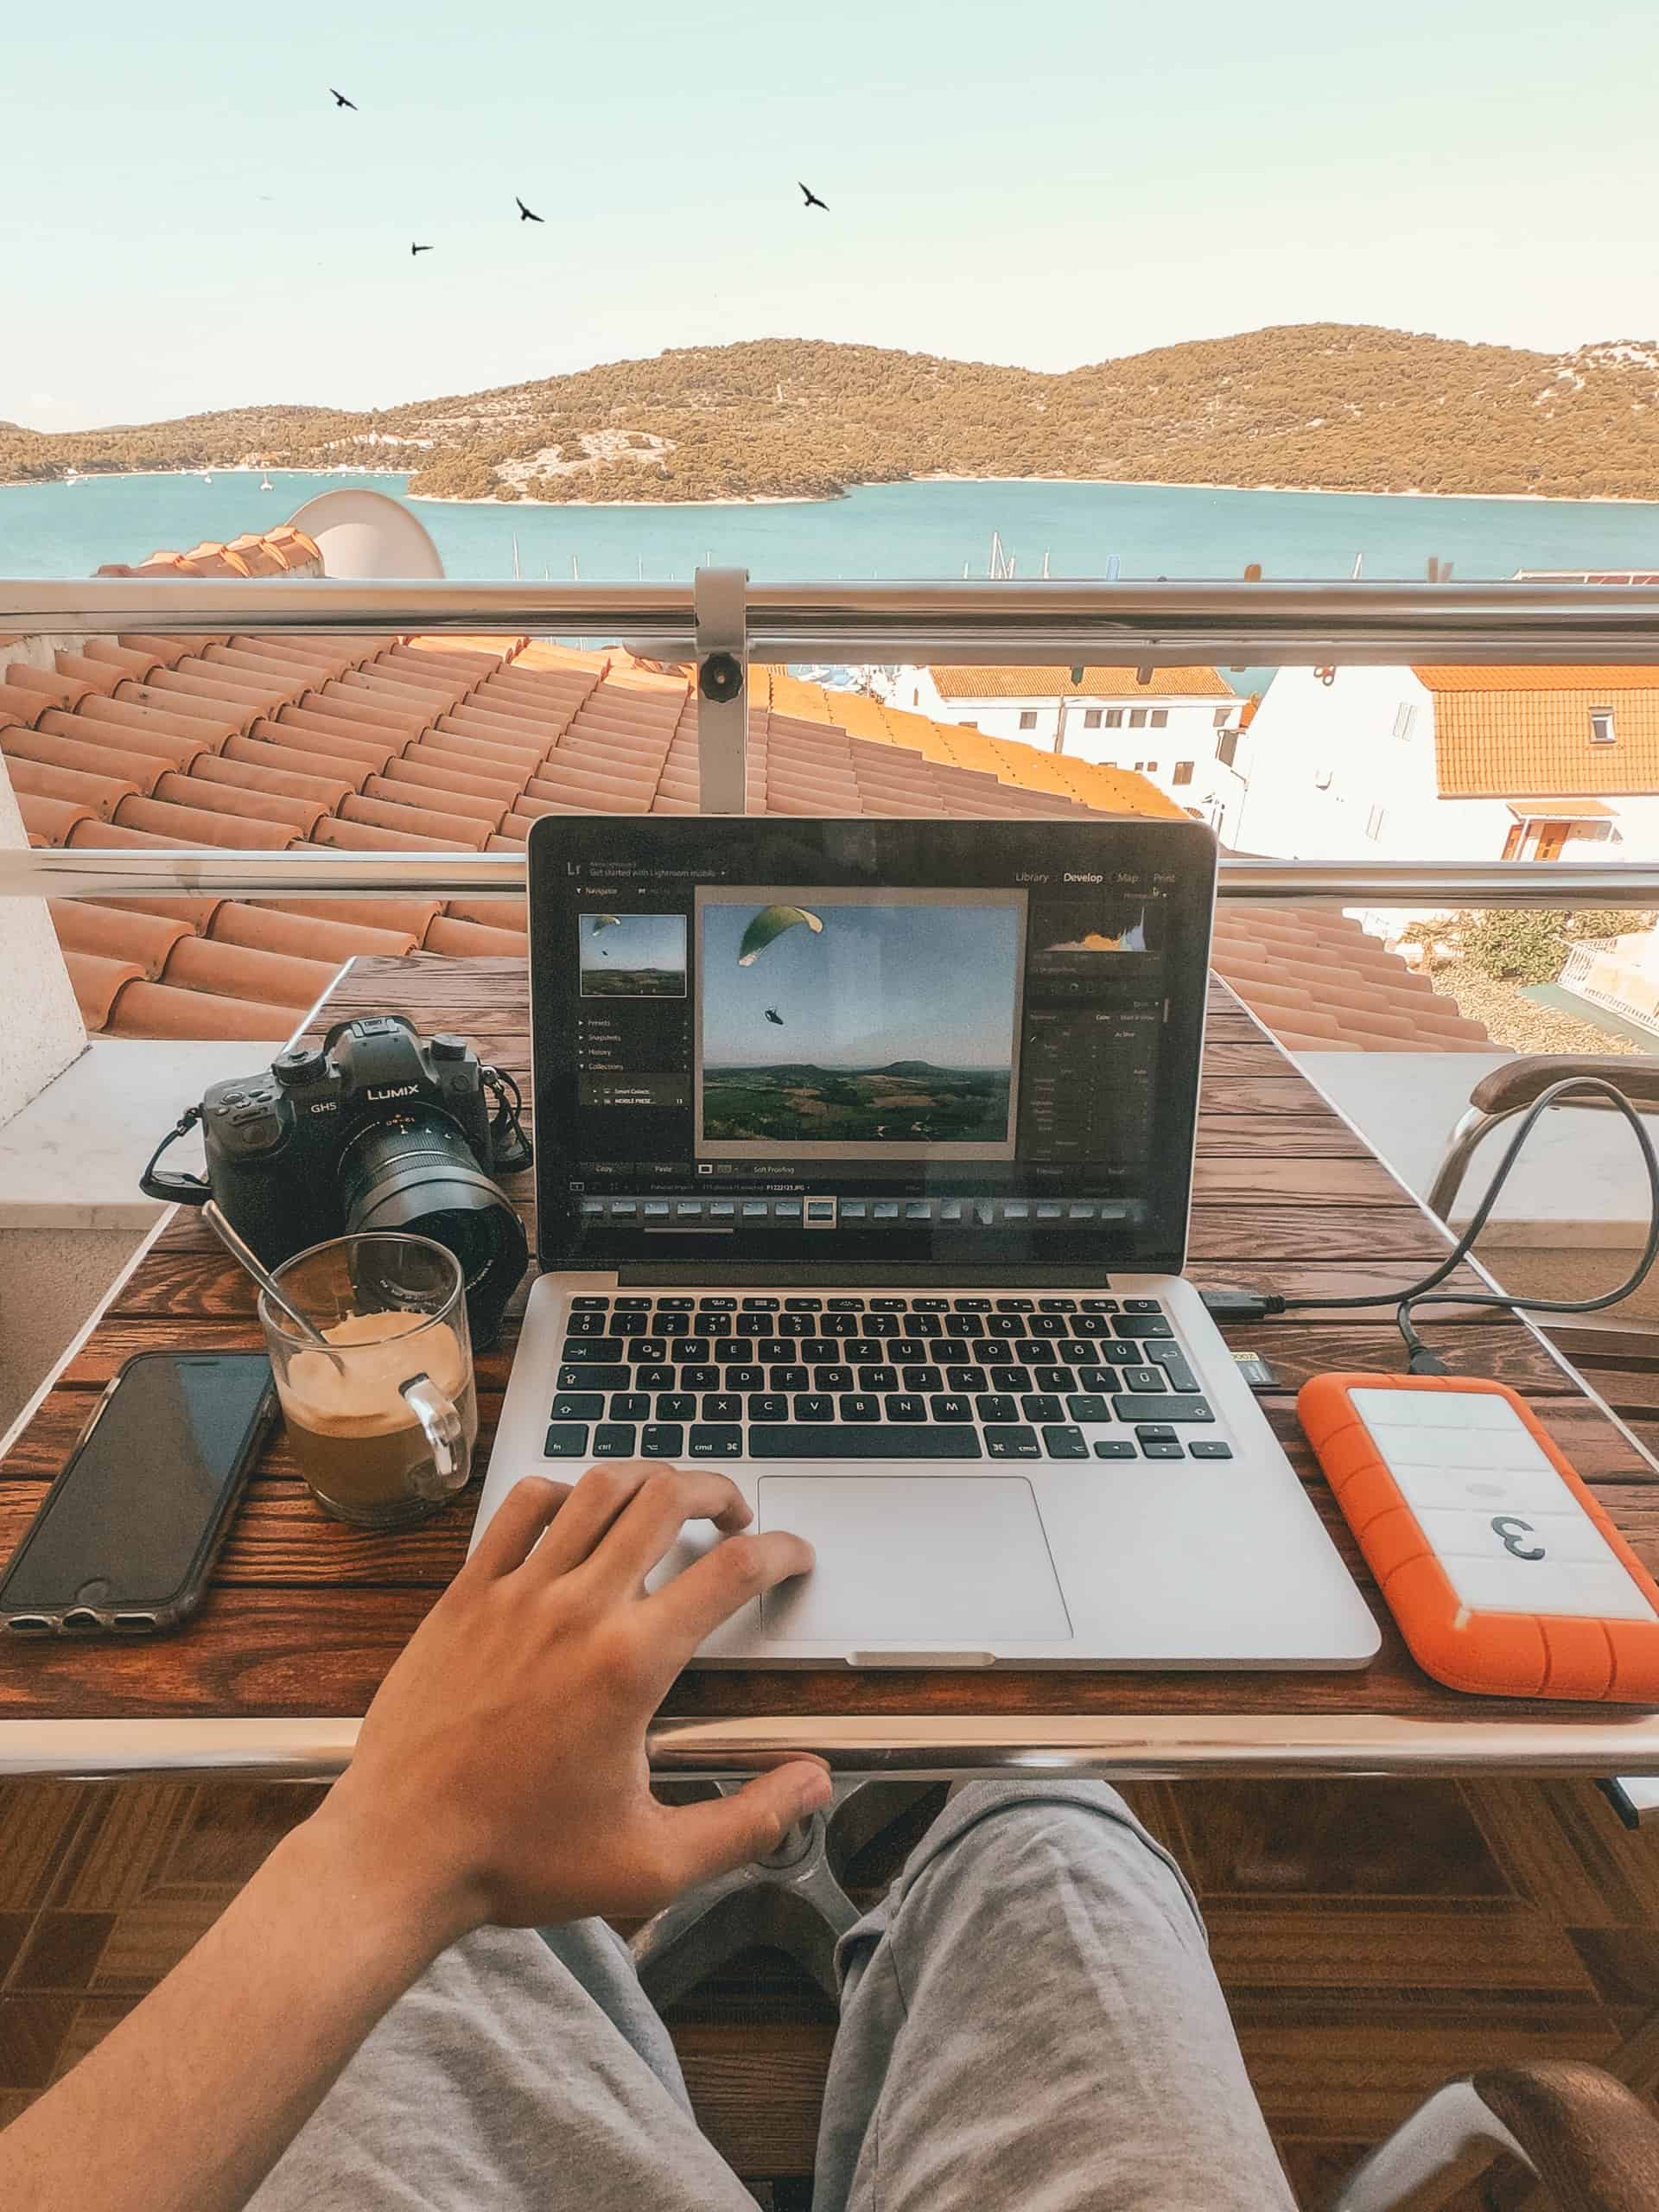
<point x="365" y="535"/>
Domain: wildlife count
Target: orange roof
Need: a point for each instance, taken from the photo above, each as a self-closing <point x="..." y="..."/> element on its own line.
<point x="272" y="553"/>
<point x="1502" y="733"/>
<point x="1098" y="683"/>
<point x="1322" y="985"/>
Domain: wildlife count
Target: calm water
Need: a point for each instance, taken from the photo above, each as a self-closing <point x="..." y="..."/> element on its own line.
<point x="887" y="530"/>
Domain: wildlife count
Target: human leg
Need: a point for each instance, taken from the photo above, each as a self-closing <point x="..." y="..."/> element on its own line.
<point x="1030" y="2022"/>
<point x="520" y="2072"/>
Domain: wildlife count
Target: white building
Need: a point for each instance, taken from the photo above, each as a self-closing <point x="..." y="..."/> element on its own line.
<point x="1180" y="728"/>
<point x="1454" y="764"/>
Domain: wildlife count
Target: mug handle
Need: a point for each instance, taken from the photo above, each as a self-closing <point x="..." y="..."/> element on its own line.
<point x="441" y="1424"/>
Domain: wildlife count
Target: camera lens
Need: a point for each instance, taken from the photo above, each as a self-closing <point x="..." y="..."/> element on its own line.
<point x="417" y="1172"/>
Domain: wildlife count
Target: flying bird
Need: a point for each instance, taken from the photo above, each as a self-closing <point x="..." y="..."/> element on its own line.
<point x="773" y="1014"/>
<point x="341" y="100"/>
<point x="812" y="199"/>
<point x="414" y="250"/>
<point x="526" y="214"/>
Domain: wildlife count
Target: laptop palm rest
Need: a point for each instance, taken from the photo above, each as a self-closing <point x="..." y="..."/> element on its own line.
<point x="913" y="1563"/>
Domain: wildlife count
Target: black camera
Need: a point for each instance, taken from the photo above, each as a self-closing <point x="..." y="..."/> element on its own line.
<point x="373" y="1130"/>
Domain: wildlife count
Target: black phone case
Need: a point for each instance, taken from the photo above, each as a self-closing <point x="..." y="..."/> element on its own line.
<point x="140" y="1619"/>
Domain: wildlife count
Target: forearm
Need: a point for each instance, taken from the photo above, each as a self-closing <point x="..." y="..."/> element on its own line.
<point x="189" y="2102"/>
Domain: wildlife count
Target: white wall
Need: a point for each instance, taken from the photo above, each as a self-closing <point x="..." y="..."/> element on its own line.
<point x="41" y="1028"/>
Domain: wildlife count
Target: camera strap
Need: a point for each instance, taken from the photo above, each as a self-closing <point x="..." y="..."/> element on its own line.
<point x="185" y="1190"/>
<point x="510" y="1147"/>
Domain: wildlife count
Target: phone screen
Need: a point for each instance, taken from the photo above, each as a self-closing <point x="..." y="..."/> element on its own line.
<point x="125" y="1521"/>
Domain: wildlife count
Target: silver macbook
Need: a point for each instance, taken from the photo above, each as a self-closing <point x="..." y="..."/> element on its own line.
<point x="864" y="1155"/>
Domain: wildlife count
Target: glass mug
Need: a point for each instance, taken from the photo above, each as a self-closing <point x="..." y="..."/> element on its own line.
<point x="384" y="1425"/>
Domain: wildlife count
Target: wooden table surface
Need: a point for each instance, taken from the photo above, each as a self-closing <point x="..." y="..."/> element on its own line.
<point x="305" y="1614"/>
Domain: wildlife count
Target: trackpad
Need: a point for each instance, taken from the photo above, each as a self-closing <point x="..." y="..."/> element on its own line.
<point x="958" y="1560"/>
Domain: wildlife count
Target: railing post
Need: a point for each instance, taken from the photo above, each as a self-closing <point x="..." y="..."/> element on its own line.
<point x="720" y="597"/>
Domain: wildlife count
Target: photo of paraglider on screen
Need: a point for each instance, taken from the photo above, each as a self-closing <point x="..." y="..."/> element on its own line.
<point x="849" y="1024"/>
<point x="632" y="956"/>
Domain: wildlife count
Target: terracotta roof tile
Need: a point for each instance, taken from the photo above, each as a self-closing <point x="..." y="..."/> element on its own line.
<point x="407" y="917"/>
<point x="193" y="825"/>
<point x="193" y="730"/>
<point x="237" y="971"/>
<point x="51" y="821"/>
<point x="99" y="794"/>
<point x="272" y="929"/>
<point x="462" y="938"/>
<point x="97" y="982"/>
<point x="158" y="1010"/>
<point x="145" y="940"/>
<point x="58" y="690"/>
<point x="452" y="805"/>
<point x="506" y="913"/>
<point x="1501" y="732"/>
<point x="122" y="748"/>
<point x="299" y="816"/>
<point x="1102" y="682"/>
<point x="267" y="774"/>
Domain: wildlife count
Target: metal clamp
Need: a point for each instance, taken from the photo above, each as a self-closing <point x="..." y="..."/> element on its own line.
<point x="721" y="597"/>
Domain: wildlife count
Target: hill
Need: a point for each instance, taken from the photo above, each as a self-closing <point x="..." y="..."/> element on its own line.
<point x="1336" y="406"/>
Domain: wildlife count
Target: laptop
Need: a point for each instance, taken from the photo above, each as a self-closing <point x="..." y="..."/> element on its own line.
<point x="864" y="1156"/>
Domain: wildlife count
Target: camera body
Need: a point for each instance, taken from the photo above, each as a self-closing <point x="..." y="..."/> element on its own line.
<point x="375" y="1130"/>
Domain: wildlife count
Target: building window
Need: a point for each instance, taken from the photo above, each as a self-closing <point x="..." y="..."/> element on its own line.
<point x="1601" y="725"/>
<point x="1221" y="713"/>
<point x="1091" y="718"/>
<point x="1374" y="823"/>
<point x="1183" y="773"/>
<point x="1137" y="718"/>
<point x="915" y="696"/>
<point x="1113" y="717"/>
<point x="1028" y="720"/>
<point x="1161" y="718"/>
<point x="1152" y="767"/>
<point x="1405" y="716"/>
<point x="1226" y="747"/>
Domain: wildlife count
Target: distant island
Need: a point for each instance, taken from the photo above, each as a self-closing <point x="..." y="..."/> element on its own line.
<point x="1318" y="406"/>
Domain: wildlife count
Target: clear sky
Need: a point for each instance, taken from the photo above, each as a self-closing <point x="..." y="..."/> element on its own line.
<point x="187" y="221"/>
<point x="634" y="941"/>
<point x="879" y="983"/>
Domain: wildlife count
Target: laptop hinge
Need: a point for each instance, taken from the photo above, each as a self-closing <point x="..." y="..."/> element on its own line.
<point x="642" y="1273"/>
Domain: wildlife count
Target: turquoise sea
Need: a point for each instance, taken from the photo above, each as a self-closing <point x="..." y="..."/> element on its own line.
<point x="888" y="530"/>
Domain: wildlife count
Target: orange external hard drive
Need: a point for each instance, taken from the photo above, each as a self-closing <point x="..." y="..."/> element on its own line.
<point x="1505" y="1575"/>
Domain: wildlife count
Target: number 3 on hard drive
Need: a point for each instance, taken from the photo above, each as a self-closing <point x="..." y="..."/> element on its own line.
<point x="1510" y="1531"/>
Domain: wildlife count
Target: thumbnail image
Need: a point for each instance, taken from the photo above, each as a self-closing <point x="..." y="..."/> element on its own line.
<point x="633" y="956"/>
<point x="846" y="1023"/>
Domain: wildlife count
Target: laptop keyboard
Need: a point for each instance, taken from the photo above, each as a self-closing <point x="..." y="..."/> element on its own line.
<point x="665" y="1377"/>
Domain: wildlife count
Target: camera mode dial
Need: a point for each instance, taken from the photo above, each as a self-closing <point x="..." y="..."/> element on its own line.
<point x="303" y="1064"/>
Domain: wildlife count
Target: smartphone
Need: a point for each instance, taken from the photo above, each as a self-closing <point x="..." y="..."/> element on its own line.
<point x="127" y="1534"/>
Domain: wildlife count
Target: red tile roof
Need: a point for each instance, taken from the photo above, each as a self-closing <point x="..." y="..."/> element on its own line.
<point x="418" y="744"/>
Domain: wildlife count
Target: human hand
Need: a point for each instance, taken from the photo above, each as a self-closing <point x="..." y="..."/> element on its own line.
<point x="500" y="1774"/>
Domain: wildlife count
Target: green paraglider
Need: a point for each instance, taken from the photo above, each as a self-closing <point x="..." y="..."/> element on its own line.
<point x="771" y="922"/>
<point x="604" y="922"/>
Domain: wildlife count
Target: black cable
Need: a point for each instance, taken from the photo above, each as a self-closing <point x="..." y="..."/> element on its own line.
<point x="1428" y="1292"/>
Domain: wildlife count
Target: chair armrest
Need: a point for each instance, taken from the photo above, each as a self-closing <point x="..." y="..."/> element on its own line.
<point x="1517" y="1082"/>
<point x="1594" y="2143"/>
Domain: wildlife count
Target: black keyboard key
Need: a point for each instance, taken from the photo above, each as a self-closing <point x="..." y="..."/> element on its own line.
<point x="1139" y="1325"/>
<point x="1048" y="1324"/>
<point x="1010" y="1378"/>
<point x="662" y="1439"/>
<point x="590" y="1305"/>
<point x="768" y="1405"/>
<point x="1042" y="1405"/>
<point x="1078" y="1355"/>
<point x="672" y="1325"/>
<point x="910" y="1351"/>
<point x="647" y="1350"/>
<point x="676" y="1405"/>
<point x="566" y="1440"/>
<point x="1142" y="1379"/>
<point x="1119" y="1355"/>
<point x="1155" y="1432"/>
<point x="759" y="1306"/>
<point x="578" y="1405"/>
<point x="1172" y="1360"/>
<point x="722" y="1405"/>
<point x="1008" y="1324"/>
<point x="1057" y="1305"/>
<point x="793" y="1326"/>
<point x="815" y="1405"/>
<point x="1100" y="1306"/>
<point x="629" y="1324"/>
<point x="842" y="1324"/>
<point x="716" y="1306"/>
<point x="1088" y="1407"/>
<point x="675" y="1305"/>
<point x="859" y="1405"/>
<point x="927" y="1440"/>
<point x="595" y="1351"/>
<point x="714" y="1325"/>
<point x="586" y="1325"/>
<point x="803" y="1305"/>
<point x="630" y="1405"/>
<point x="1053" y="1378"/>
<point x="878" y="1378"/>
<point x="1209" y="1448"/>
<point x="696" y="1350"/>
<point x="1063" y="1442"/>
<point x="886" y="1306"/>
<point x="790" y="1377"/>
<point x="654" y="1378"/>
<point x="746" y="1377"/>
<point x="846" y="1306"/>
<point x="947" y="1405"/>
<point x="1017" y="1305"/>
<point x="964" y="1378"/>
<point x="1091" y="1325"/>
<point x="1015" y="1443"/>
<point x="963" y="1323"/>
<point x="1143" y="1306"/>
<point x="595" y="1378"/>
<point x="1162" y="1452"/>
<point x="882" y="1327"/>
<point x="972" y="1305"/>
<point x="740" y="1348"/>
<point x="1116" y="1448"/>
<point x="922" y="1379"/>
<point x="901" y="1405"/>
<point x="923" y="1324"/>
<point x="633" y="1305"/>
<point x="832" y="1378"/>
<point x="756" y="1325"/>
<point x="995" y="1406"/>
<point x="720" y="1443"/>
<point x="700" y="1378"/>
<point x="927" y="1305"/>
<point x="1167" y="1408"/>
<point x="615" y="1439"/>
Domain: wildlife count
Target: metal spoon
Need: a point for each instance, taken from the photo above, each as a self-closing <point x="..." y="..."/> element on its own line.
<point x="244" y="1254"/>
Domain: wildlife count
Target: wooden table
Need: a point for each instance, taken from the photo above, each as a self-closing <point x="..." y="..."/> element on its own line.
<point x="305" y="1614"/>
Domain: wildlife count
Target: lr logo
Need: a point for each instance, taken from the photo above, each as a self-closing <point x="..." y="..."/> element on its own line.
<point x="1510" y="1531"/>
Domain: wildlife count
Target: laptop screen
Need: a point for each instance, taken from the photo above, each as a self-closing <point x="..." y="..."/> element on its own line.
<point x="859" y="1045"/>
